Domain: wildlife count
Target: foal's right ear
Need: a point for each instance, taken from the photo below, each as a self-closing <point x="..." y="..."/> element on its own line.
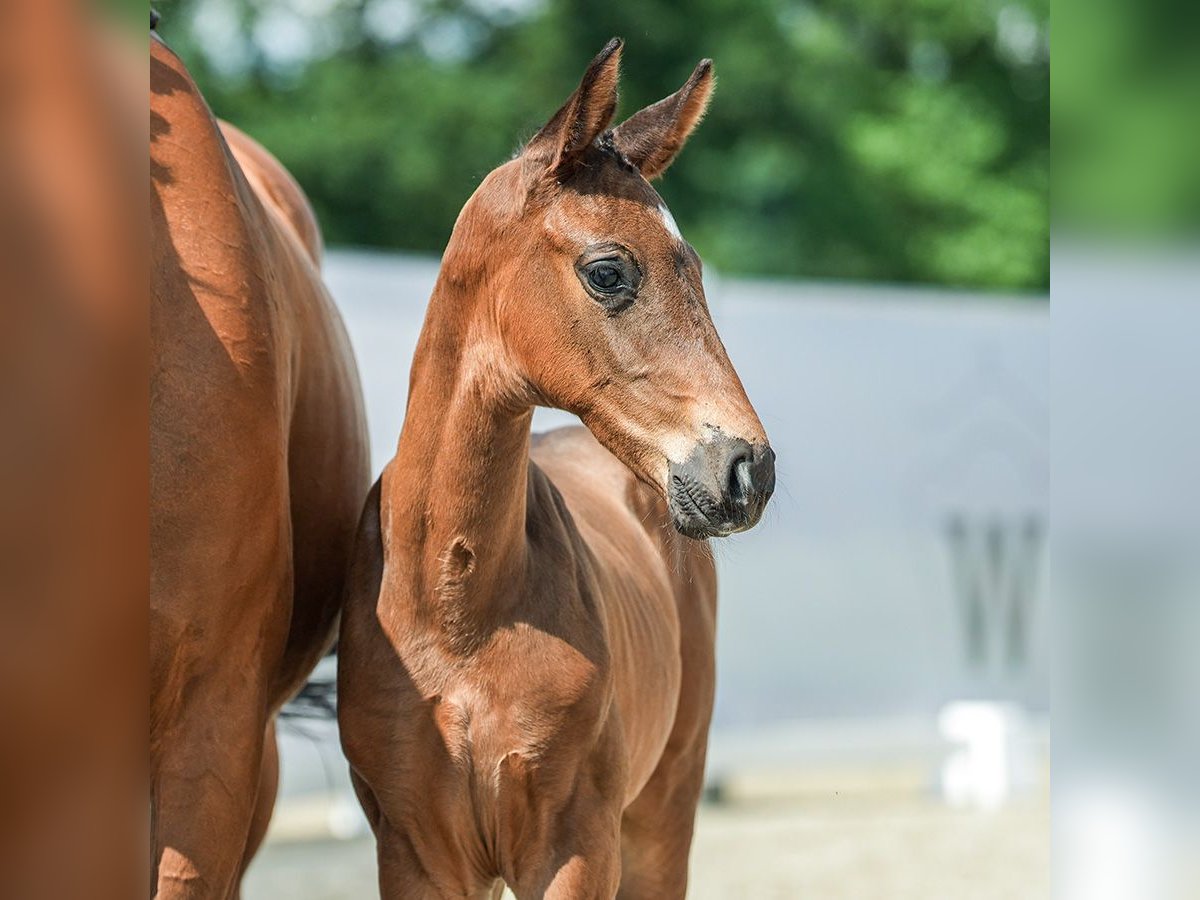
<point x="588" y="111"/>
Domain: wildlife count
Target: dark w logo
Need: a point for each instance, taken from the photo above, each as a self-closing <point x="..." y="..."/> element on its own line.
<point x="994" y="564"/>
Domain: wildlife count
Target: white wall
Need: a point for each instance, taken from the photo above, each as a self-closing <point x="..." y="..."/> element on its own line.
<point x="893" y="412"/>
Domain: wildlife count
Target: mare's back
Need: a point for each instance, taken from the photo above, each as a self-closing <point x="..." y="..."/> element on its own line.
<point x="604" y="497"/>
<point x="642" y="560"/>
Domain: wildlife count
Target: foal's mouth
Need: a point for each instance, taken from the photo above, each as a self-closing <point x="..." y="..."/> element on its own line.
<point x="721" y="489"/>
<point x="695" y="513"/>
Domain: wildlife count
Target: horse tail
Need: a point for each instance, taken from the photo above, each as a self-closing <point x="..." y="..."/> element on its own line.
<point x="317" y="699"/>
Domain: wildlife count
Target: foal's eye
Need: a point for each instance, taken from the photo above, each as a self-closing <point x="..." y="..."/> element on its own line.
<point x="611" y="276"/>
<point x="605" y="276"/>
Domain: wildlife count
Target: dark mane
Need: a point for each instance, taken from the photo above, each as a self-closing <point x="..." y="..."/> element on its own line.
<point x="604" y="169"/>
<point x="607" y="145"/>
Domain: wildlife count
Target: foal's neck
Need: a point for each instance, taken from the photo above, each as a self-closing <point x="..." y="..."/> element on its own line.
<point x="454" y="495"/>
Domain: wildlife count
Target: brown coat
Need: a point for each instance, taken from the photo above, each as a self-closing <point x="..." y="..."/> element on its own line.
<point x="258" y="471"/>
<point x="526" y="654"/>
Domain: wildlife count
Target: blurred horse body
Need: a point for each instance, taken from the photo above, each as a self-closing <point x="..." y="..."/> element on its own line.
<point x="526" y="653"/>
<point x="259" y="466"/>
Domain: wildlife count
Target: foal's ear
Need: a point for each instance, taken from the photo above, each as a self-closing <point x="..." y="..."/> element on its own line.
<point x="653" y="137"/>
<point x="588" y="111"/>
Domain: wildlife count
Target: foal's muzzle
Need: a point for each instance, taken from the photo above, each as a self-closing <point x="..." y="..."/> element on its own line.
<point x="721" y="488"/>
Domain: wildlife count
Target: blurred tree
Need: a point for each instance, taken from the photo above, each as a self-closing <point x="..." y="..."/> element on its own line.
<point x="847" y="139"/>
<point x="1127" y="143"/>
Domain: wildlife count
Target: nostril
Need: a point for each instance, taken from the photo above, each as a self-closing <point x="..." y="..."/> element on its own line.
<point x="741" y="478"/>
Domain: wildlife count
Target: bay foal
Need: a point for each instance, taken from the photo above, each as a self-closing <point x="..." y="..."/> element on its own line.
<point x="258" y="469"/>
<point x="526" y="654"/>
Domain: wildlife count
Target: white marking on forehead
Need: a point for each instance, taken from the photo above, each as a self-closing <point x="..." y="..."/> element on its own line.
<point x="669" y="221"/>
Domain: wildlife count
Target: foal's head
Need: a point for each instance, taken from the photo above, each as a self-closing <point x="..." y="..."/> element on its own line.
<point x="598" y="304"/>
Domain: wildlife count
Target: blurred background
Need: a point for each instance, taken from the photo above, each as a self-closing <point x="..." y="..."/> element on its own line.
<point x="1126" y="544"/>
<point x="864" y="139"/>
<point x="870" y="192"/>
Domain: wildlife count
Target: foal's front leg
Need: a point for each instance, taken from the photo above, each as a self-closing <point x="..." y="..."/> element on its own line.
<point x="405" y="875"/>
<point x="402" y="876"/>
<point x="583" y="858"/>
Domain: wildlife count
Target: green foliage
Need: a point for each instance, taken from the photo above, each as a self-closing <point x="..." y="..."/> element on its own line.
<point x="1125" y="103"/>
<point x="875" y="139"/>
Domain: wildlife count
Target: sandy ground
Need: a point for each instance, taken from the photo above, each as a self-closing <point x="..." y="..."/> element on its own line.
<point x="885" y="847"/>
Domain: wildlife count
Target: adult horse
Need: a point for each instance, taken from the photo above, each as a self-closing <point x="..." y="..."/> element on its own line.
<point x="526" y="652"/>
<point x="258" y="472"/>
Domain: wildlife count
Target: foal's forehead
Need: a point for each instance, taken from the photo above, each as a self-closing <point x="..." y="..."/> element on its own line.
<point x="634" y="214"/>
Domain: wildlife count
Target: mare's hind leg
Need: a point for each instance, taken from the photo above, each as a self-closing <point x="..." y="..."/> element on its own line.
<point x="264" y="805"/>
<point x="206" y="789"/>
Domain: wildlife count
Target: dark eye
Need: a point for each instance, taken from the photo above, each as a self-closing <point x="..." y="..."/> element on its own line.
<point x="611" y="275"/>
<point x="605" y="276"/>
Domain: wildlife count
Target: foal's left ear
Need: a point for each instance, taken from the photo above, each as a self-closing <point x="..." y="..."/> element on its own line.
<point x="587" y="112"/>
<point x="652" y="138"/>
